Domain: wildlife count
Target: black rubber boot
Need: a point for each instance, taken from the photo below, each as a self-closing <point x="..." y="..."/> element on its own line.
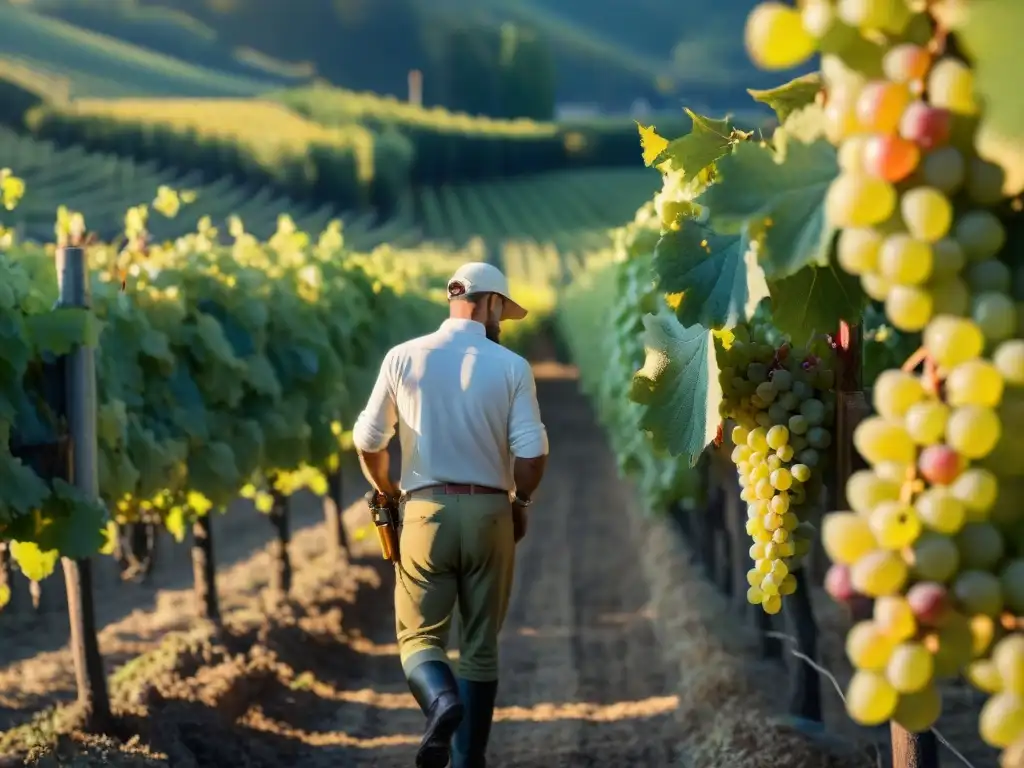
<point x="469" y="748"/>
<point x="434" y="687"/>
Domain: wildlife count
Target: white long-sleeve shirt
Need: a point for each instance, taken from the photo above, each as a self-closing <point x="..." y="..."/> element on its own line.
<point x="465" y="407"/>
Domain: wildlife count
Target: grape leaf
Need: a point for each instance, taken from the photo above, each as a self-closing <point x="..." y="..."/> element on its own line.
<point x="989" y="30"/>
<point x="780" y="199"/>
<point x="678" y="386"/>
<point x="34" y="562"/>
<point x="791" y="96"/>
<point x="718" y="274"/>
<point x="59" y="331"/>
<point x="651" y="143"/>
<point x="814" y="300"/>
<point x="708" y="141"/>
<point x="80" y="529"/>
<point x="23" y="489"/>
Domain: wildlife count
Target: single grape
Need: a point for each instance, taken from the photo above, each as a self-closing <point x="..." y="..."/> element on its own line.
<point x="951" y="86"/>
<point x="996" y="315"/>
<point x="895" y="617"/>
<point x="910" y="667"/>
<point x="980" y="234"/>
<point x="906" y="63"/>
<point x="934" y="557"/>
<point x="775" y="37"/>
<point x="975" y="382"/>
<point x="925" y="422"/>
<point x="865" y="490"/>
<point x="944" y="169"/>
<point x="989" y="275"/>
<point x="894" y="392"/>
<point x="1008" y="359"/>
<point x="985" y="181"/>
<point x="870" y="698"/>
<point x="777" y="437"/>
<point x="867" y="14"/>
<point x="880" y="106"/>
<point x="929" y="603"/>
<point x="855" y="200"/>
<point x="976" y="489"/>
<point x="940" y="464"/>
<point x="889" y="157"/>
<point x="952" y="340"/>
<point x="868" y="647"/>
<point x="981" y="546"/>
<point x="927" y="213"/>
<point x="905" y="260"/>
<point x="875" y="286"/>
<point x="879" y="573"/>
<point x="909" y="307"/>
<point x="978" y="592"/>
<point x="973" y="431"/>
<point x="895" y="525"/>
<point x="878" y="440"/>
<point x="1011" y="579"/>
<point x="857" y="250"/>
<point x="940" y="510"/>
<point x="847" y="537"/>
<point x="838" y="584"/>
<point x="925" y="125"/>
<point x="917" y="712"/>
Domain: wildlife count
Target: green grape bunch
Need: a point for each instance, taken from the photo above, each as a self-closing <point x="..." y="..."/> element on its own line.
<point x="934" y="530"/>
<point x="783" y="406"/>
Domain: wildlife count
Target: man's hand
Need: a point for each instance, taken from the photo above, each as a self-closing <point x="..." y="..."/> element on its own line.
<point x="520" y="519"/>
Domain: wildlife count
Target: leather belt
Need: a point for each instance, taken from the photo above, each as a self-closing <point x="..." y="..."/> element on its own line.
<point x="457" y="489"/>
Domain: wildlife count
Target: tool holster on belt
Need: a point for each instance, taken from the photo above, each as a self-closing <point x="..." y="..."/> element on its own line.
<point x="384" y="511"/>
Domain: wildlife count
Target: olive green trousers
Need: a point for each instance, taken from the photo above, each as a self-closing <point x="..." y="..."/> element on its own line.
<point x="455" y="550"/>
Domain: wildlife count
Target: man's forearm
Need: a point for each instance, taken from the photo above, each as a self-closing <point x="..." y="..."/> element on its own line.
<point x="376" y="466"/>
<point x="528" y="474"/>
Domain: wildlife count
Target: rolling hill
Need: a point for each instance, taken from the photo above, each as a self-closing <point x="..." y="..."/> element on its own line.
<point x="607" y="52"/>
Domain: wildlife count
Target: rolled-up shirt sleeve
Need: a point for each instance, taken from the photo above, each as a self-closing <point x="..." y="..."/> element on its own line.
<point x="375" y="426"/>
<point x="526" y="434"/>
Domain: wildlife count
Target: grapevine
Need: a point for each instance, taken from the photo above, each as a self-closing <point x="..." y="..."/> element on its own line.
<point x="927" y="224"/>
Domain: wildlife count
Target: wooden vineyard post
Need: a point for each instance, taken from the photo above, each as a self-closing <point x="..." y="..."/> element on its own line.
<point x="82" y="472"/>
<point x="204" y="570"/>
<point x="337" y="540"/>
<point x="416" y="87"/>
<point x="281" y="562"/>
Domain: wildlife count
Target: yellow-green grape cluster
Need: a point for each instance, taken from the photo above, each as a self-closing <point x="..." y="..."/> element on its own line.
<point x="783" y="408"/>
<point x="928" y="536"/>
<point x="934" y="535"/>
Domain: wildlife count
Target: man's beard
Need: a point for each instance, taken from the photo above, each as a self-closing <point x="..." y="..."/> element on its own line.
<point x="493" y="332"/>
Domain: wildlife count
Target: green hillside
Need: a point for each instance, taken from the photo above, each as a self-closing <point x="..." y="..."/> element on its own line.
<point x="607" y="52"/>
<point x="91" y="64"/>
<point x="172" y="33"/>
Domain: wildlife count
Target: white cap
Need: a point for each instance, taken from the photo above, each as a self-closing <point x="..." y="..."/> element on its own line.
<point x="479" y="277"/>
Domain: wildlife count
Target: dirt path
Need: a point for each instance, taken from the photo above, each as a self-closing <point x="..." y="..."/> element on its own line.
<point x="583" y="681"/>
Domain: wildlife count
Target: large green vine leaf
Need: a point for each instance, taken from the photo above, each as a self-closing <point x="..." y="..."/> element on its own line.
<point x="814" y="300"/>
<point x="678" y="386"/>
<point x="718" y="275"/>
<point x="778" y="196"/>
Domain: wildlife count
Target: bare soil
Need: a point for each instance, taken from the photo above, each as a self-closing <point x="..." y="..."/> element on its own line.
<point x="316" y="681"/>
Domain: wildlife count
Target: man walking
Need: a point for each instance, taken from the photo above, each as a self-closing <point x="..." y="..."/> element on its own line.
<point x="473" y="452"/>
